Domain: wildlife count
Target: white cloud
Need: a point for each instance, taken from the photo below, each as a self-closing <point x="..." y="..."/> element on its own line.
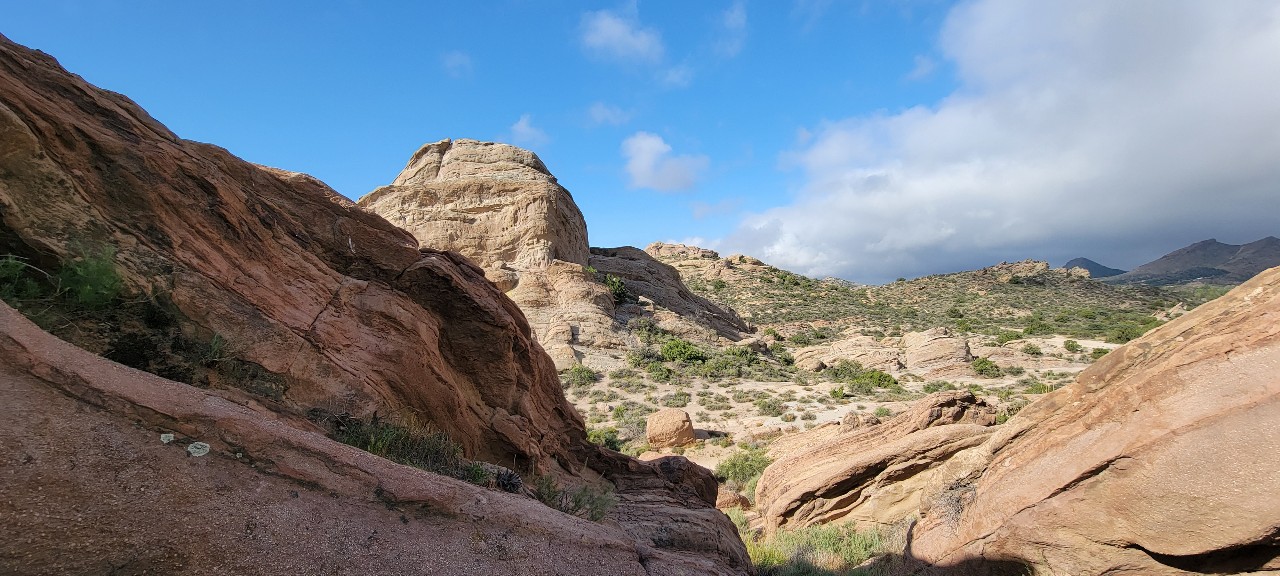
<point x="676" y="76"/>
<point x="733" y="34"/>
<point x="1113" y="130"/>
<point x="610" y="35"/>
<point x="456" y="64"/>
<point x="924" y="66"/>
<point x="650" y="164"/>
<point x="524" y="133"/>
<point x="601" y="113"/>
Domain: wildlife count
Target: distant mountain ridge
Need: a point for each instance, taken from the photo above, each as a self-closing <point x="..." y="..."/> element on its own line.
<point x="1208" y="261"/>
<point x="1095" y="269"/>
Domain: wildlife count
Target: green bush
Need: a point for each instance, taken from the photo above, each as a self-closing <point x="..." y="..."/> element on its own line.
<point x="618" y="288"/>
<point x="678" y="350"/>
<point x="985" y="368"/>
<point x="408" y="444"/>
<point x="91" y="281"/>
<point x="1099" y="352"/>
<point x="585" y="501"/>
<point x="938" y="386"/>
<point x="770" y="407"/>
<point x="1032" y="350"/>
<point x="675" y="400"/>
<point x="1124" y="333"/>
<point x="607" y="437"/>
<point x="1006" y="336"/>
<point x="883" y="412"/>
<point x="1072" y="346"/>
<point x="743" y="467"/>
<point x="578" y="376"/>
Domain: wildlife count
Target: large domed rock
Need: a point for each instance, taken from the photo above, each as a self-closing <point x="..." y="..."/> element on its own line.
<point x="1160" y="459"/>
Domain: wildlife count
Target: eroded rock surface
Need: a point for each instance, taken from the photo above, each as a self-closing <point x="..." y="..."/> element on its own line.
<point x="339" y="307"/>
<point x="868" y="475"/>
<point x="668" y="428"/>
<point x="1160" y="459"/>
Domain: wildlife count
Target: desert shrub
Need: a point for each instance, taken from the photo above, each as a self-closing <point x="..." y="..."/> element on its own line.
<point x="801" y="339"/>
<point x="607" y="437"/>
<point x="618" y="288"/>
<point x="985" y="368"/>
<point x="743" y="467"/>
<point x="660" y="373"/>
<point x="1072" y="346"/>
<point x="585" y="501"/>
<point x="646" y="329"/>
<point x="578" y="376"/>
<point x="643" y="357"/>
<point x="826" y="550"/>
<point x="409" y="444"/>
<point x="788" y="417"/>
<point x="675" y="400"/>
<point x="1124" y="333"/>
<point x="938" y="386"/>
<point x="954" y="312"/>
<point x="769" y="407"/>
<point x="883" y="412"/>
<point x="678" y="350"/>
<point x="1037" y="326"/>
<point x="1006" y="336"/>
<point x="843" y="371"/>
<point x="1099" y="352"/>
<point x="631" y="417"/>
<point x="1014" y="370"/>
<point x="91" y="281"/>
<point x="1039" y="388"/>
<point x="718" y="285"/>
<point x="1032" y="350"/>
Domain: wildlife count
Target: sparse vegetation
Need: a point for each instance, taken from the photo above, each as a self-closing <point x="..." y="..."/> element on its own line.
<point x="985" y="368"/>
<point x="586" y="501"/>
<point x="827" y="550"/>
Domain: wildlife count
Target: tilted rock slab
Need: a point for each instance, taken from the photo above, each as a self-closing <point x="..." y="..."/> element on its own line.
<point x="101" y="476"/>
<point x="868" y="475"/>
<point x="1160" y="459"/>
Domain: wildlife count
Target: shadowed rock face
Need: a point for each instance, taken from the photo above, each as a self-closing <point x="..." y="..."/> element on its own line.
<point x="1160" y="459"/>
<point x="338" y="304"/>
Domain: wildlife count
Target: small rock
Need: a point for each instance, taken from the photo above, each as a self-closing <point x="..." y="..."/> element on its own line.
<point x="198" y="449"/>
<point x="166" y="438"/>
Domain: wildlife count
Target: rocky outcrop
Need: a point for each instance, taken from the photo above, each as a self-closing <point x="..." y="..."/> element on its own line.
<point x="495" y="203"/>
<point x="1160" y="459"/>
<point x="668" y="428"/>
<point x="339" y="309"/>
<point x="92" y="486"/>
<point x="498" y="205"/>
<point x="336" y="303"/>
<point x="936" y="353"/>
<point x="868" y="475"/>
<point x="676" y="308"/>
<point x="873" y="353"/>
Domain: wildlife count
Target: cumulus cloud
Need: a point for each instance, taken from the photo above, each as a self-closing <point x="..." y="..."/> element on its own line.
<point x="733" y="33"/>
<point x="650" y="164"/>
<point x="620" y="37"/>
<point x="524" y="133"/>
<point x="601" y="113"/>
<point x="456" y="64"/>
<point x="1113" y="130"/>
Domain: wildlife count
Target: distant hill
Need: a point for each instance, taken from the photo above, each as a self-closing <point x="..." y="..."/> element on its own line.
<point x="1208" y="262"/>
<point x="1095" y="269"/>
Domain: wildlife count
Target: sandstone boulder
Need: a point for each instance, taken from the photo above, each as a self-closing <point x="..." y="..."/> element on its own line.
<point x="936" y="353"/>
<point x="1159" y="459"/>
<point x="727" y="499"/>
<point x="669" y="428"/>
<point x="872" y="353"/>
<point x="871" y="475"/>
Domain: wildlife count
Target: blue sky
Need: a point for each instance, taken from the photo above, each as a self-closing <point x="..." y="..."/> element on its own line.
<point x="867" y="140"/>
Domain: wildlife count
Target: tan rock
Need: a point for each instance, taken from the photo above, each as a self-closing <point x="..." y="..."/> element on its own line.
<point x="1160" y="459"/>
<point x="872" y="353"/>
<point x="936" y="353"/>
<point x="727" y="499"/>
<point x="872" y="475"/>
<point x="645" y="276"/>
<point x="669" y="428"/>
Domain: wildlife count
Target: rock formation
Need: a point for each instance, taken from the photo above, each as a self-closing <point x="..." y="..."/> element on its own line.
<point x="668" y="428"/>
<point x="341" y="311"/>
<point x="1160" y="459"/>
<point x="870" y="475"/>
<point x="498" y="205"/>
<point x="678" y="310"/>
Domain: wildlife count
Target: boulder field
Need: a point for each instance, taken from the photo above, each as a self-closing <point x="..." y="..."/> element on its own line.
<point x="342" y="312"/>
